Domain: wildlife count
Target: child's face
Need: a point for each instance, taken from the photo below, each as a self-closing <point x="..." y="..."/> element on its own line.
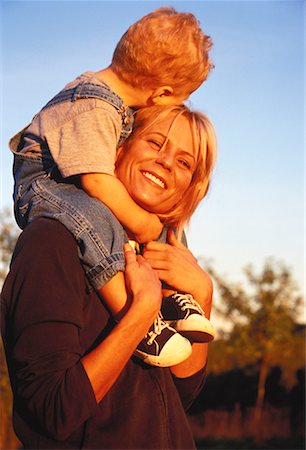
<point x="157" y="173"/>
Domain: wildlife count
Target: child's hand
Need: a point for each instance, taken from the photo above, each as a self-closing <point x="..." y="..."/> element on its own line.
<point x="150" y="230"/>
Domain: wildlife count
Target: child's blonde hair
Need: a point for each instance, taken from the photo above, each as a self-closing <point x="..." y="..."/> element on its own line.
<point x="165" y="47"/>
<point x="204" y="147"/>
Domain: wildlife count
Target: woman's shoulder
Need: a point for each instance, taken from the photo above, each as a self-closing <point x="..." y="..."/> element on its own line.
<point x="45" y="240"/>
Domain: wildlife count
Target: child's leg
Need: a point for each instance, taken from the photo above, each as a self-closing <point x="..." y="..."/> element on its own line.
<point x="114" y="296"/>
<point x="99" y="235"/>
<point x="185" y="314"/>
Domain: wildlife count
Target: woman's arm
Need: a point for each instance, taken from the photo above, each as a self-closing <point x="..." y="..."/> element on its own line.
<point x="144" y="288"/>
<point x="47" y="313"/>
<point x="176" y="266"/>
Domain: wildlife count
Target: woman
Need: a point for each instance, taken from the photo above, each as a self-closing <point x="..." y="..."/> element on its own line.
<point x="75" y="384"/>
<point x="166" y="172"/>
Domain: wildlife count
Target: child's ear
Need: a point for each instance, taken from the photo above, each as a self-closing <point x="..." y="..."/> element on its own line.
<point x="160" y="95"/>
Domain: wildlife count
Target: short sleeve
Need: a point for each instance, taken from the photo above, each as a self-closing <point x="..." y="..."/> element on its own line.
<point x="86" y="143"/>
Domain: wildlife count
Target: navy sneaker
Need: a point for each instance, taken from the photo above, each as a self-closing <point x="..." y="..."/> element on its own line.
<point x="184" y="314"/>
<point x="163" y="346"/>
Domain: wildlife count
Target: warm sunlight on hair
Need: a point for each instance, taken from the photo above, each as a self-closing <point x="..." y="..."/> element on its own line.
<point x="165" y="47"/>
<point x="204" y="151"/>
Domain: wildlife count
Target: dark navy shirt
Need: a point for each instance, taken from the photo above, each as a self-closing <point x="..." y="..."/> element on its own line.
<point x="50" y="318"/>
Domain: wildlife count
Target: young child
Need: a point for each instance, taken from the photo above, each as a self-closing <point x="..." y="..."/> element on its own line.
<point x="160" y="60"/>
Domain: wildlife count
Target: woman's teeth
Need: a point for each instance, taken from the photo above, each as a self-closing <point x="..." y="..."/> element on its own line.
<point x="153" y="178"/>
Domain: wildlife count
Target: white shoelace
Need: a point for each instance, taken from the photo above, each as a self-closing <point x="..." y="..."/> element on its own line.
<point x="158" y="326"/>
<point x="186" y="301"/>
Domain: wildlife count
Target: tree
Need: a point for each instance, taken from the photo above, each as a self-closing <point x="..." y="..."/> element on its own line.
<point x="263" y="313"/>
<point x="8" y="236"/>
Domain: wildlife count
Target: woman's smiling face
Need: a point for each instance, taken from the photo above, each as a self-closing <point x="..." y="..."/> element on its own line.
<point x="157" y="166"/>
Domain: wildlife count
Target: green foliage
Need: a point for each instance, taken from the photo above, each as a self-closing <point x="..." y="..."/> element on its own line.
<point x="224" y="357"/>
<point x="262" y="312"/>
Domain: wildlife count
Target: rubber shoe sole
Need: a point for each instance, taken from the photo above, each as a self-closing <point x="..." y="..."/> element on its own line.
<point x="175" y="351"/>
<point x="196" y="328"/>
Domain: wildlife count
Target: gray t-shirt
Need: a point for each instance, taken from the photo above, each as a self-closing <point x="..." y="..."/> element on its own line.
<point x="81" y="136"/>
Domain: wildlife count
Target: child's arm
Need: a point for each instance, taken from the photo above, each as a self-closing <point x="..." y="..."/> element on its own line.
<point x="108" y="189"/>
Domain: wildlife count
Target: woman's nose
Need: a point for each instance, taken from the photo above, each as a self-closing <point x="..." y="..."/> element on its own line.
<point x="165" y="158"/>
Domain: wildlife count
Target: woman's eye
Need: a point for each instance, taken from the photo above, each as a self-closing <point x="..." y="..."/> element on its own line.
<point x="184" y="163"/>
<point x="154" y="144"/>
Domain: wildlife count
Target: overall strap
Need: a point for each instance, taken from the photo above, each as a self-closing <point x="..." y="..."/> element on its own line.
<point x="88" y="90"/>
<point x="102" y="92"/>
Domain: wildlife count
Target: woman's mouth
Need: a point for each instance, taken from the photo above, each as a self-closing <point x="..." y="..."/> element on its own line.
<point x="154" y="179"/>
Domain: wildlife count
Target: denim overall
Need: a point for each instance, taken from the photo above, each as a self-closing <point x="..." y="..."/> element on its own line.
<point x="40" y="191"/>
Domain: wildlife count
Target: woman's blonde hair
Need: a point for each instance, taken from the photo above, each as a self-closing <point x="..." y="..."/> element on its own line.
<point x="204" y="147"/>
<point x="165" y="47"/>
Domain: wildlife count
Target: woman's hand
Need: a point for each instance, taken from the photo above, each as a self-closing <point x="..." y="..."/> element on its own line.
<point x="106" y="361"/>
<point x="176" y="266"/>
<point x="142" y="284"/>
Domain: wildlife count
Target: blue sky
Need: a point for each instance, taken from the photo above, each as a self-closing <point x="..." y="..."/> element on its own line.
<point x="254" y="96"/>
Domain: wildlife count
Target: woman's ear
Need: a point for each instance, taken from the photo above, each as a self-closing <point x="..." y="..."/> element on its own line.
<point x="119" y="151"/>
<point x="119" y="155"/>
